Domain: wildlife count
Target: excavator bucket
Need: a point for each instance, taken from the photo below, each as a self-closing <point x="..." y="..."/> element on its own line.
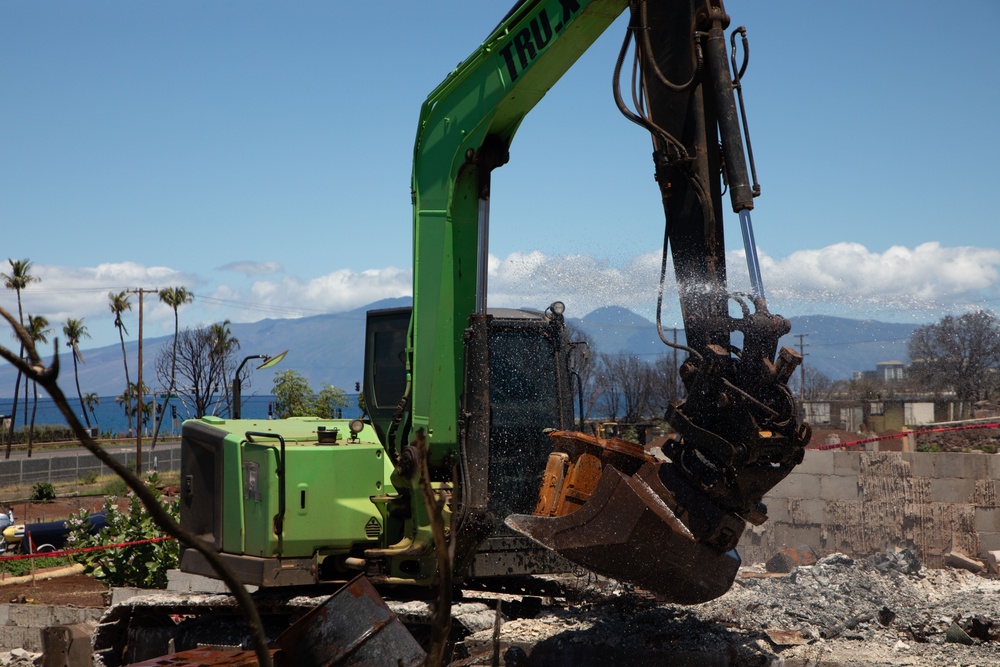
<point x="637" y="520"/>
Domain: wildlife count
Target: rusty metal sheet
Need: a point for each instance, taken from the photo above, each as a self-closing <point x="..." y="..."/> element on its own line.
<point x="353" y="627"/>
<point x="205" y="657"/>
<point x="786" y="637"/>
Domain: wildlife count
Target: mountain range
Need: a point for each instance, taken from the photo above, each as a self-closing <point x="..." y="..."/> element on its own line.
<point x="330" y="348"/>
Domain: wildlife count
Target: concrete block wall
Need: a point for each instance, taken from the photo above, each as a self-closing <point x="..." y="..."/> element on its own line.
<point x="21" y="625"/>
<point x="861" y="503"/>
<point x="75" y="463"/>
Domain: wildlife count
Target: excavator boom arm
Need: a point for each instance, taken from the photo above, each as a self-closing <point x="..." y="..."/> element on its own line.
<point x="466" y="127"/>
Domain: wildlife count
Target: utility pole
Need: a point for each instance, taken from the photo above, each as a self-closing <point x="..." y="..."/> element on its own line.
<point x="802" y="367"/>
<point x="138" y="388"/>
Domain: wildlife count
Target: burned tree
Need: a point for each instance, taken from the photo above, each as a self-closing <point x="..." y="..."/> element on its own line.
<point x="959" y="353"/>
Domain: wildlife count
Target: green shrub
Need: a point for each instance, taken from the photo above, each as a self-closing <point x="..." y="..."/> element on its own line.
<point x="88" y="477"/>
<point x="42" y="434"/>
<point x="43" y="491"/>
<point x="16" y="568"/>
<point x="114" y="487"/>
<point x="141" y="565"/>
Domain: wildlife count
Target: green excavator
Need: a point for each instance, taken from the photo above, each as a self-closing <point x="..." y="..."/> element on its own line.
<point x="489" y="391"/>
<point x="305" y="500"/>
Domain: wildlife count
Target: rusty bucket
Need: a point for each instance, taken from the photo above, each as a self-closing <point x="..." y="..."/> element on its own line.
<point x="645" y="524"/>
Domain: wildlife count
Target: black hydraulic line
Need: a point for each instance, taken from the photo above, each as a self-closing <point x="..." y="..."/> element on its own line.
<point x="659" y="298"/>
<point x="397" y="417"/>
<point x="737" y="79"/>
<point x="677" y="88"/>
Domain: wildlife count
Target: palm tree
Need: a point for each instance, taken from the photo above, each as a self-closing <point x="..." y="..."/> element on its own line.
<point x="175" y="297"/>
<point x="18" y="278"/>
<point x="119" y="303"/>
<point x="90" y="400"/>
<point x="131" y="400"/>
<point x="223" y="345"/>
<point x="38" y="331"/>
<point x="75" y="330"/>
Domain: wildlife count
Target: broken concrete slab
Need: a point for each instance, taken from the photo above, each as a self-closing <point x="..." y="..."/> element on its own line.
<point x="961" y="561"/>
<point x="993" y="562"/>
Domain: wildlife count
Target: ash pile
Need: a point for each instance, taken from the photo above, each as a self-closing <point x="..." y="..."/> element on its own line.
<point x="837" y="611"/>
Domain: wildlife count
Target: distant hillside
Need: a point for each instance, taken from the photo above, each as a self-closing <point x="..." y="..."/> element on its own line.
<point x="329" y="348"/>
<point x="617" y="330"/>
<point x="837" y="346"/>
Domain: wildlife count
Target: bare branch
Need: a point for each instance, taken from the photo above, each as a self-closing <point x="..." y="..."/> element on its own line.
<point x="47" y="377"/>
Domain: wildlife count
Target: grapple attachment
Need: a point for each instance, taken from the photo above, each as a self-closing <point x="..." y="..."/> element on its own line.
<point x="672" y="526"/>
<point x="637" y="521"/>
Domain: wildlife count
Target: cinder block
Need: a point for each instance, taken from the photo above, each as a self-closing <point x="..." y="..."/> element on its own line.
<point x="816" y="462"/>
<point x="952" y="490"/>
<point x="847" y="464"/>
<point x="832" y="487"/>
<point x="807" y="511"/>
<point x="777" y="509"/>
<point x="797" y="485"/>
<point x="993" y="466"/>
<point x="922" y="464"/>
<point x="989" y="542"/>
<point x="987" y="520"/>
<point x="964" y="466"/>
<point x="30" y="639"/>
<point x="807" y="537"/>
<point x="31" y="616"/>
<point x="75" y="615"/>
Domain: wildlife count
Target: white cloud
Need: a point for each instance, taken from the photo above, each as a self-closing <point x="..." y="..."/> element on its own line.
<point x="582" y="282"/>
<point x="82" y="292"/>
<point x="336" y="291"/>
<point x="915" y="284"/>
<point x="249" y="268"/>
<point x="923" y="279"/>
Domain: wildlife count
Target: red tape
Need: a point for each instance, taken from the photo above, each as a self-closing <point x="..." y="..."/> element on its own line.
<point x="66" y="552"/>
<point x="894" y="436"/>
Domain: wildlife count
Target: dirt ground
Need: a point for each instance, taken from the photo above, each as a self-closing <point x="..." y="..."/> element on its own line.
<point x="78" y="590"/>
<point x="26" y="511"/>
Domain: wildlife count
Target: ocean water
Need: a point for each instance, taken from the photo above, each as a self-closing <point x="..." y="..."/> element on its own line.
<point x="110" y="416"/>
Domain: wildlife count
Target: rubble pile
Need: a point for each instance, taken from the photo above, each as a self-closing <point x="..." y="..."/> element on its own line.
<point x="884" y="610"/>
<point x="983" y="440"/>
<point x="20" y="658"/>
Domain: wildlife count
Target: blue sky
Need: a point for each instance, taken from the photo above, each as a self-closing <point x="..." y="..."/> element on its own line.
<point x="259" y="153"/>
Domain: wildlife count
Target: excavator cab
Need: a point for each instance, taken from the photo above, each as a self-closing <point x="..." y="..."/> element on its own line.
<point x="529" y="395"/>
